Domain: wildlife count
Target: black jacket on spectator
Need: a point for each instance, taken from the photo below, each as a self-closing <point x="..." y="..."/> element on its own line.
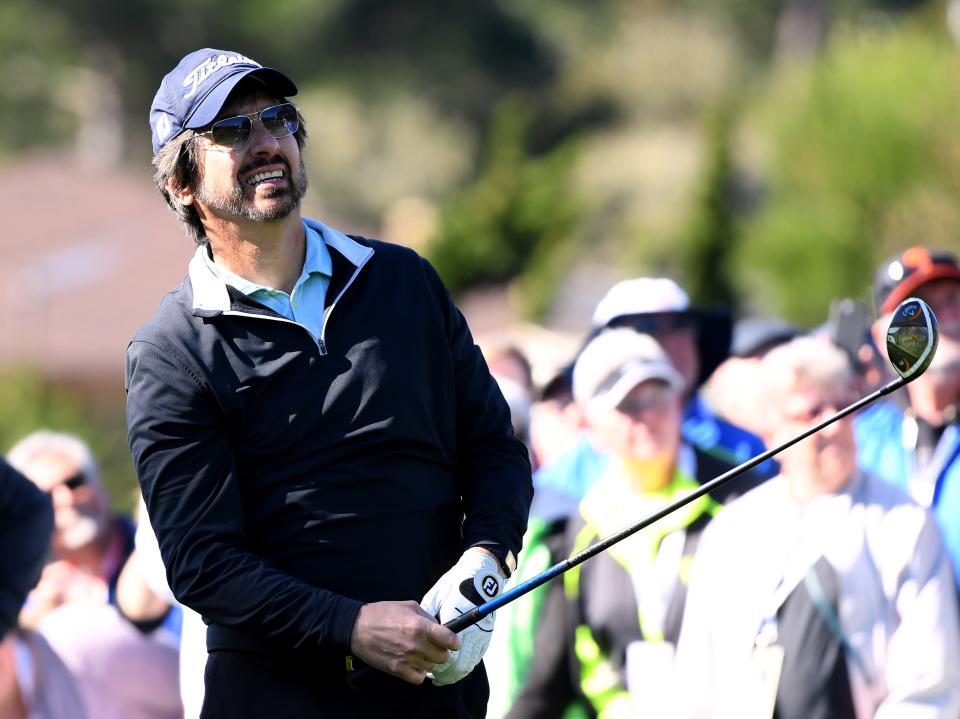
<point x="26" y="526"/>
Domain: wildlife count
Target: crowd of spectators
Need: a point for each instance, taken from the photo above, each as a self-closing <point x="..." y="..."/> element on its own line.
<point x="827" y="588"/>
<point x="822" y="583"/>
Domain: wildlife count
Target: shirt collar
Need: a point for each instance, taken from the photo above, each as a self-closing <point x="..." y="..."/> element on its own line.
<point x="317" y="259"/>
<point x="210" y="280"/>
<point x="224" y="275"/>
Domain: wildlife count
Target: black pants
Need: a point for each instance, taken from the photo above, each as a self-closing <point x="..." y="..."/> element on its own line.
<point x="256" y="685"/>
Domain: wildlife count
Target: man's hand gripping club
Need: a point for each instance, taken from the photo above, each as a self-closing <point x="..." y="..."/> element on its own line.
<point x="404" y="639"/>
<point x="473" y="580"/>
<point x="401" y="639"/>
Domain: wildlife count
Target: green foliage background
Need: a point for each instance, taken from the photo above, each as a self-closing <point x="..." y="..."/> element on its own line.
<point x="861" y="160"/>
<point x="845" y="153"/>
<point x="695" y="138"/>
<point x="516" y="220"/>
<point x="29" y="402"/>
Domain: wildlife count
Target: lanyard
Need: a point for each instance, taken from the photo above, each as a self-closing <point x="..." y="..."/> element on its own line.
<point x="800" y="568"/>
<point x="815" y="530"/>
<point x="922" y="481"/>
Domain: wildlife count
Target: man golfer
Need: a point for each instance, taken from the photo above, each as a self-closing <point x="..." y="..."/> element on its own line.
<point x="324" y="456"/>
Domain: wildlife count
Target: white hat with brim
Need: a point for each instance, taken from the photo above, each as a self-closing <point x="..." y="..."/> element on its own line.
<point x="640" y="296"/>
<point x="616" y="361"/>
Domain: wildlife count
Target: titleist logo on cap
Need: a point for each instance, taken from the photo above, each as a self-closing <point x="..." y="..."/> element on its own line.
<point x="205" y="69"/>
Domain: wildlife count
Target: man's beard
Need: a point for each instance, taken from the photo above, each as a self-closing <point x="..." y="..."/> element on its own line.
<point x="82" y="527"/>
<point x="240" y="202"/>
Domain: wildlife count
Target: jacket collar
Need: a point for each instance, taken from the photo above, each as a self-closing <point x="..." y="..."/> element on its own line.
<point x="210" y="295"/>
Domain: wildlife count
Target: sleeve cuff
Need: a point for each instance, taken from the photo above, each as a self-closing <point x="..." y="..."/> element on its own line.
<point x="343" y="620"/>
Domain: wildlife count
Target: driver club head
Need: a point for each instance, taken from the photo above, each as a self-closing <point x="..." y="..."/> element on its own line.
<point x="912" y="338"/>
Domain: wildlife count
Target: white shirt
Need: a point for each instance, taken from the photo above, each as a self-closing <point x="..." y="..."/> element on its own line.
<point x="897" y="605"/>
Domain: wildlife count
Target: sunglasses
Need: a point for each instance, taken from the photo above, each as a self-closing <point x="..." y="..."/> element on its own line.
<point x="73" y="482"/>
<point x="657" y="399"/>
<point x="655" y="324"/>
<point x="235" y="132"/>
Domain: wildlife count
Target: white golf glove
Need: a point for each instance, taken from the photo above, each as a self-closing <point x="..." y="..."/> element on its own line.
<point x="473" y="580"/>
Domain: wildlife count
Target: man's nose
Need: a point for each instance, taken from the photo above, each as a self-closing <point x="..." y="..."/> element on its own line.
<point x="62" y="495"/>
<point x="262" y="141"/>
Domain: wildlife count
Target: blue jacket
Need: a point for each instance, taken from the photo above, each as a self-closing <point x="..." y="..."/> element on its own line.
<point x="881" y="450"/>
<point x="288" y="479"/>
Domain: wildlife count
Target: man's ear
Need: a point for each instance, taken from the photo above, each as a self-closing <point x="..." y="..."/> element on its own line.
<point x="184" y="195"/>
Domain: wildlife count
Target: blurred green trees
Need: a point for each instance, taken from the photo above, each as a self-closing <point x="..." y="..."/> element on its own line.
<point x="766" y="153"/>
<point x="28" y="402"/>
<point x="838" y="149"/>
<point x="35" y="87"/>
<point x="859" y="156"/>
<point x="517" y="220"/>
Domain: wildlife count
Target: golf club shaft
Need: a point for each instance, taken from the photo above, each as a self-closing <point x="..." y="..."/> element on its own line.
<point x="478" y="613"/>
<point x="361" y="676"/>
<point x="911" y="343"/>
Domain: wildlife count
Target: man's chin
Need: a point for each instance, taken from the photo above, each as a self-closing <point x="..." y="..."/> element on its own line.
<point x="272" y="205"/>
<point x="79" y="534"/>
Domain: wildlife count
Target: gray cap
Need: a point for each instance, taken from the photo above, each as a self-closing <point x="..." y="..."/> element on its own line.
<point x="616" y="361"/>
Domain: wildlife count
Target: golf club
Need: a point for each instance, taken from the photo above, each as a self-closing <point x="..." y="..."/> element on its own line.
<point x="911" y="343"/>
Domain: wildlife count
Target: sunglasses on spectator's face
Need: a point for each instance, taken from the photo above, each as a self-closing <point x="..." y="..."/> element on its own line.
<point x="656" y="398"/>
<point x="74" y="481"/>
<point x="234" y="133"/>
<point x="657" y="324"/>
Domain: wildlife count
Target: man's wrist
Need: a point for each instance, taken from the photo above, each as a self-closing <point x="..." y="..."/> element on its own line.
<point x="506" y="560"/>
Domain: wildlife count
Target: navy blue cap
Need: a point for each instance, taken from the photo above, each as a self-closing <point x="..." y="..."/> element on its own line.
<point x="192" y="94"/>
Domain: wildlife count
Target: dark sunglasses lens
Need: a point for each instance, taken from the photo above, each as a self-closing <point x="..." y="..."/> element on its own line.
<point x="280" y="120"/>
<point x="658" y="324"/>
<point x="231" y="132"/>
<point x="77" y="480"/>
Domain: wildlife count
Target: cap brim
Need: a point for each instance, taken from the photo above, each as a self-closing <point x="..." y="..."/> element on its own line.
<point x="612" y="398"/>
<point x="910" y="283"/>
<point x="208" y="109"/>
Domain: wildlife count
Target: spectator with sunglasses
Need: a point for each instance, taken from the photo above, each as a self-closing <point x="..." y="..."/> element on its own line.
<point x="622" y="609"/>
<point x="122" y="670"/>
<point x="90" y="544"/>
<point x="697" y="340"/>
<point x="320" y="444"/>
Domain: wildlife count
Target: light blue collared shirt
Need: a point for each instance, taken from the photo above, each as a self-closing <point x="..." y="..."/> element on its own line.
<point x="306" y="303"/>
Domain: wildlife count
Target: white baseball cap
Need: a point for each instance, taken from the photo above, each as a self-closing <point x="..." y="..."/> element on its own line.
<point x="640" y="296"/>
<point x="616" y="361"/>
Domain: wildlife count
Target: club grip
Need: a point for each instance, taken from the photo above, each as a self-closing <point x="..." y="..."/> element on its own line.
<point x="458" y="624"/>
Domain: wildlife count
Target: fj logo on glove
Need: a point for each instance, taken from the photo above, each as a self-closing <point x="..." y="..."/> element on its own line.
<point x="490" y="586"/>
